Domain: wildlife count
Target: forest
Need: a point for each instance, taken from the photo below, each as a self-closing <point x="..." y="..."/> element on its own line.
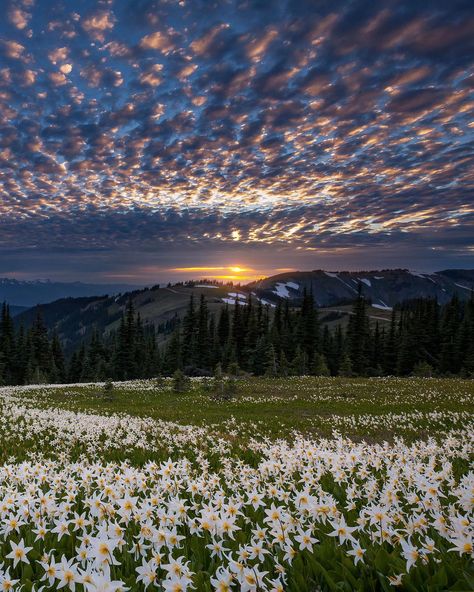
<point x="422" y="339"/>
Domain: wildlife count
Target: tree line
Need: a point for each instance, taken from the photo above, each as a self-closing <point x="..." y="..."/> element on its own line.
<point x="423" y="338"/>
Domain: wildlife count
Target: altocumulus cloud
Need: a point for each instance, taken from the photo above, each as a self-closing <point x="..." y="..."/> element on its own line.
<point x="320" y="128"/>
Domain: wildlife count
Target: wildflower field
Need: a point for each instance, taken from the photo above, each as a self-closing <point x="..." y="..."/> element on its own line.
<point x="298" y="484"/>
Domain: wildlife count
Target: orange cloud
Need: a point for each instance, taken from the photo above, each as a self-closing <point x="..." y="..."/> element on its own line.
<point x="159" y="41"/>
<point x="98" y="23"/>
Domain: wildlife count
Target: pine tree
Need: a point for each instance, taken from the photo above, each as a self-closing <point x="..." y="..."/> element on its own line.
<point x="358" y="336"/>
<point x="283" y="369"/>
<point x="223" y="326"/>
<point x="189" y="336"/>
<point x="308" y="330"/>
<point x="377" y="351"/>
<point x="345" y="367"/>
<point x="130" y="341"/>
<point x="320" y="365"/>
<point x="300" y="362"/>
<point x="271" y="363"/>
<point x="238" y="332"/>
<point x="58" y="358"/>
<point x="390" y="349"/>
<point x="450" y="325"/>
<point x="215" y="348"/>
<point x="173" y="357"/>
<point x="120" y="352"/>
<point x="42" y="355"/>
<point x="260" y="357"/>
<point x="203" y="344"/>
<point x="21" y="358"/>
<point x="7" y="346"/>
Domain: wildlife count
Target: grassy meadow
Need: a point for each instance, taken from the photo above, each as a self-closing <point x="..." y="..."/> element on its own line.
<point x="298" y="484"/>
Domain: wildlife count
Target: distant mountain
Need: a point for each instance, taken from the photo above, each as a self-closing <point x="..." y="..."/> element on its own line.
<point x="16" y="310"/>
<point x="29" y="293"/>
<point x="383" y="288"/>
<point x="333" y="292"/>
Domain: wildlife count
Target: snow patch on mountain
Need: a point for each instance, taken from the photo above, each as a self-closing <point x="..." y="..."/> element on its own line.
<point x="206" y="286"/>
<point x="382" y="306"/>
<point x="281" y="290"/>
<point x="267" y="302"/>
<point x="234" y="297"/>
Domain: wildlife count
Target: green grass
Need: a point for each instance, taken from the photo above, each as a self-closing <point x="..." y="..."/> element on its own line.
<point x="311" y="405"/>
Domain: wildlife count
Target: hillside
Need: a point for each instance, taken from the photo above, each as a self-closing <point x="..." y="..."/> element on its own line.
<point x="30" y="293"/>
<point x="75" y="318"/>
<point x="383" y="288"/>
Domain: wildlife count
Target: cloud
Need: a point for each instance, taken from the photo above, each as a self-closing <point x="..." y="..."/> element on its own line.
<point x="259" y="45"/>
<point x="152" y="76"/>
<point x="98" y="23"/>
<point x="209" y="42"/>
<point x="59" y="54"/>
<point x="12" y="49"/>
<point x="317" y="127"/>
<point x="159" y="41"/>
<point x="18" y="17"/>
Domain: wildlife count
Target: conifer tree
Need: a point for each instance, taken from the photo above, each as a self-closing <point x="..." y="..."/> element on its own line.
<point x="345" y="367"/>
<point x="189" y="336"/>
<point x="283" y="369"/>
<point x="271" y="363"/>
<point x="203" y="342"/>
<point x="300" y="362"/>
<point x="358" y="336"/>
<point x="58" y="359"/>
<point x="238" y="332"/>
<point x="173" y="357"/>
<point x="320" y="365"/>
<point x="223" y="326"/>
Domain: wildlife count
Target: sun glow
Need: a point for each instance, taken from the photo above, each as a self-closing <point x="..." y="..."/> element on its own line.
<point x="228" y="272"/>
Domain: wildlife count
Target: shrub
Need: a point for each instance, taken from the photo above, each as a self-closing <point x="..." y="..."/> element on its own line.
<point x="159" y="382"/>
<point x="320" y="366"/>
<point x="108" y="390"/>
<point x="181" y="382"/>
<point x="422" y="370"/>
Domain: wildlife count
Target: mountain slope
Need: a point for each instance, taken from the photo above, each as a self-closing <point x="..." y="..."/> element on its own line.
<point x="30" y="293"/>
<point x="76" y="318"/>
<point x="383" y="288"/>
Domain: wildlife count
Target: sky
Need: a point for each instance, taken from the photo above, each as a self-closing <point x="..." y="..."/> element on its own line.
<point x="143" y="140"/>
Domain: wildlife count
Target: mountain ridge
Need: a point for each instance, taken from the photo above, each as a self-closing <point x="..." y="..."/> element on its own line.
<point x="333" y="292"/>
<point x="21" y="293"/>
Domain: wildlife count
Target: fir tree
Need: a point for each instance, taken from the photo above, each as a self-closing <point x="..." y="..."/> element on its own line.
<point x="358" y="336"/>
<point x="204" y="344"/>
<point x="173" y="359"/>
<point x="320" y="365"/>
<point x="189" y="336"/>
<point x="345" y="367"/>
